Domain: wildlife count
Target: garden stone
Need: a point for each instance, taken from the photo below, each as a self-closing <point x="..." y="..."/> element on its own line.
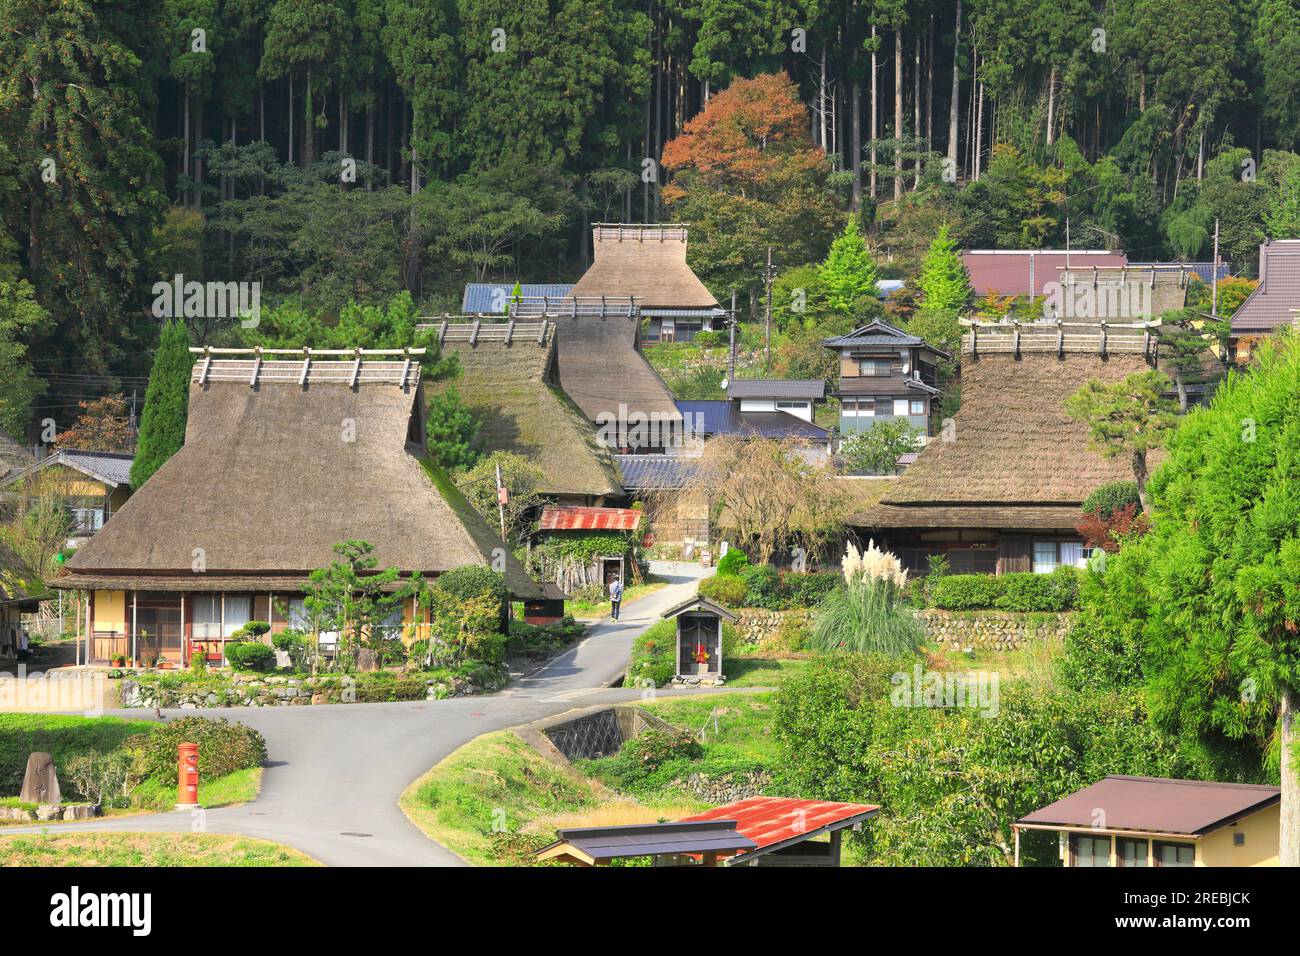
<point x="40" y="782"/>
<point x="49" y="811"/>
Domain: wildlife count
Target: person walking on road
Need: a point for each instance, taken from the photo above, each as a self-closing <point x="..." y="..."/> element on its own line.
<point x="615" y="597"/>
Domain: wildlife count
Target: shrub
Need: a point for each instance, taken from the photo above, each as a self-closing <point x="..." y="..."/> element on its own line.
<point x="866" y="616"/>
<point x="472" y="581"/>
<point x="1111" y="497"/>
<point x="654" y="658"/>
<point x="103" y="778"/>
<point x="650" y="748"/>
<point x="724" y="589"/>
<point x="251" y="631"/>
<point x="224" y="747"/>
<point x="1026" y="591"/>
<point x="967" y="592"/>
<point x="299" y="647"/>
<point x="733" y="562"/>
<point x="250" y="656"/>
<point x="762" y="586"/>
<point x="807" y="590"/>
<point x="709" y="339"/>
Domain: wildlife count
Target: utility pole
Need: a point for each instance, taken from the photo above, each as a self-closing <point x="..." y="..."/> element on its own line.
<point x="1214" y="281"/>
<point x="768" y="275"/>
<point x="731" y="345"/>
<point x="502" y="497"/>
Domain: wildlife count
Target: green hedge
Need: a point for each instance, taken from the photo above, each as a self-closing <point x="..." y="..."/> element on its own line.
<point x="224" y="747"/>
<point x="1019" y="591"/>
<point x="725" y="589"/>
<point x="654" y="658"/>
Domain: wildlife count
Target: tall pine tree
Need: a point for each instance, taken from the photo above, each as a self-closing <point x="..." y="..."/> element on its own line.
<point x="166" y="403"/>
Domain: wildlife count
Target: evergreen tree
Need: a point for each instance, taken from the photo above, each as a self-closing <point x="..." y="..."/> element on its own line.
<point x="166" y="403"/>
<point x="848" y="274"/>
<point x="944" y="282"/>
<point x="452" y="431"/>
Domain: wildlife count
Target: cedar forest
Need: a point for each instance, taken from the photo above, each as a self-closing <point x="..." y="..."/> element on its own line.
<point x="357" y="151"/>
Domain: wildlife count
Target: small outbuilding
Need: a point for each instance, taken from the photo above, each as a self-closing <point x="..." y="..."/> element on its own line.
<point x="547" y="609"/>
<point x="668" y="844"/>
<point x="787" y="831"/>
<point x="699" y="639"/>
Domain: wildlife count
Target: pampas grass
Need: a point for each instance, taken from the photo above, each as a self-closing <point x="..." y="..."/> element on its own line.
<point x="864" y="615"/>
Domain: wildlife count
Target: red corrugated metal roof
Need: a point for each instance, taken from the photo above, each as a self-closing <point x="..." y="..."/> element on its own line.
<point x="1006" y="272"/>
<point x="572" y="518"/>
<point x="771" y="820"/>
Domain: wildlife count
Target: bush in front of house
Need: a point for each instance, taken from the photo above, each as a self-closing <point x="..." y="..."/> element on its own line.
<point x="533" y="639"/>
<point x="726" y="589"/>
<point x="224" y="747"/>
<point x="250" y="656"/>
<point x="733" y="562"/>
<point x="1111" y="498"/>
<point x="471" y="581"/>
<point x="967" y="592"/>
<point x="709" y="339"/>
<point x="762" y="587"/>
<point x="1022" y="591"/>
<point x="654" y="656"/>
<point x="806" y="590"/>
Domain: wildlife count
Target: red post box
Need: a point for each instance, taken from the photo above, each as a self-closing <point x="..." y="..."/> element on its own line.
<point x="188" y="775"/>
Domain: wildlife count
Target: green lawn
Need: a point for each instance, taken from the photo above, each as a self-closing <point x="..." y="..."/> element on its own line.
<point x="145" y="849"/>
<point x="734" y="725"/>
<point x="238" y="787"/>
<point x="761" y="671"/>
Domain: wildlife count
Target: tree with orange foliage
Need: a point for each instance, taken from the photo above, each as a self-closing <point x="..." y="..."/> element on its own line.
<point x="746" y="175"/>
<point x="103" y="425"/>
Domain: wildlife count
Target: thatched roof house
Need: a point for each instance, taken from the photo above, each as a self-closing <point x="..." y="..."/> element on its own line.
<point x="282" y="460"/>
<point x="510" y="378"/>
<point x="1001" y="488"/>
<point x="648" y="262"/>
<point x="13" y="456"/>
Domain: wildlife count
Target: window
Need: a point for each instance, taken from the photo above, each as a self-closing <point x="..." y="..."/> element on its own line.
<point x="1049" y="554"/>
<point x="206" y="617"/>
<point x="237" y="613"/>
<point x="87" y="520"/>
<point x="918" y="407"/>
<point x="1173" y="854"/>
<point x="1045" y="558"/>
<point x="296" y="614"/>
<point x="973" y="560"/>
<point x="1089" y="850"/>
<point x="1130" y="852"/>
<point x="900" y="407"/>
<point x="1072" y="553"/>
<point x="875" y="368"/>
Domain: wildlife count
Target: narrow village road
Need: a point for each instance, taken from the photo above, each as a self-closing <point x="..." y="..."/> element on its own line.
<point x="336" y="771"/>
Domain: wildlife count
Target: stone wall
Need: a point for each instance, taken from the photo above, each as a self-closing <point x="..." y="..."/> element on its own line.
<point x="270" y="690"/>
<point x="758" y="626"/>
<point x="726" y="787"/>
<point x="992" y="630"/>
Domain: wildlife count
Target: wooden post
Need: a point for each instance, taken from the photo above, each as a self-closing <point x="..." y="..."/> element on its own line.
<point x="135" y="626"/>
<point x="1016" y="830"/>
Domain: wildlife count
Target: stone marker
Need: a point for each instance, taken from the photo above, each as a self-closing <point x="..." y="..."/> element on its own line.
<point x="40" y="783"/>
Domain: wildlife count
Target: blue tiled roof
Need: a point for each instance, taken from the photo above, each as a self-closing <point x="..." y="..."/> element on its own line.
<point x="642" y="472"/>
<point x="494" y="297"/>
<point x="726" y="418"/>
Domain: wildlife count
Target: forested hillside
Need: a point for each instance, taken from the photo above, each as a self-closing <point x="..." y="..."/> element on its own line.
<point x="350" y="150"/>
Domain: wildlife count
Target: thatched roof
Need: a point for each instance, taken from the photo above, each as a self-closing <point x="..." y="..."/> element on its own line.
<point x="271" y="477"/>
<point x="13" y="456"/>
<point x="513" y="392"/>
<point x="19" y="582"/>
<point x="1017" y="459"/>
<point x="602" y="369"/>
<point x="648" y="262"/>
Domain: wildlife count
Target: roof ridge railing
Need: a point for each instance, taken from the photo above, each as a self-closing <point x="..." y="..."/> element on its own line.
<point x="236" y="365"/>
<point x="476" y="331"/>
<point x="641" y="231"/>
<point x="1049" y="335"/>
<point x="576" y="307"/>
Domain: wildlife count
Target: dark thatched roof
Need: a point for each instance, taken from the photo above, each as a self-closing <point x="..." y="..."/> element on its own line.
<point x="19" y="582"/>
<point x="13" y="456"/>
<point x="1017" y="459"/>
<point x="271" y="477"/>
<point x="648" y="262"/>
<point x="512" y="390"/>
<point x="602" y="370"/>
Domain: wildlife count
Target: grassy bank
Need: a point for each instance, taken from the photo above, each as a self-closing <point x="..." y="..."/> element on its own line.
<point x="145" y="849"/>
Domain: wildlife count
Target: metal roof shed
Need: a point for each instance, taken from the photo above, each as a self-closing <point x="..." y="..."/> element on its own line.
<point x="666" y="842"/>
<point x="784" y="829"/>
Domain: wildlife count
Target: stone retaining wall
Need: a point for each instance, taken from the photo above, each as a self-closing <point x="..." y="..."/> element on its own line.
<point x="757" y="625"/>
<point x="992" y="630"/>
<point x="50" y="811"/>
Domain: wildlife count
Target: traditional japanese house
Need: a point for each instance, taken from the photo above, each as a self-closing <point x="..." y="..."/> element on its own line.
<point x="509" y="376"/>
<point x="602" y="369"/>
<point x="286" y="454"/>
<point x="885" y="374"/>
<point x="1155" y="821"/>
<point x="1093" y="293"/>
<point x="1275" y="302"/>
<point x="648" y="262"/>
<point x="781" y="409"/>
<point x="1001" y="489"/>
<point x="92" y="485"/>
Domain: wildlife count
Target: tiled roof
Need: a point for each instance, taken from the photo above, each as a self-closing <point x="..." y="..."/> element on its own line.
<point x="726" y="418"/>
<point x="111" y="468"/>
<point x="494" y="297"/>
<point x="655" y="472"/>
<point x="775" y="821"/>
<point x="812" y="389"/>
<point x="572" y="518"/>
<point x="877" y="334"/>
<point x="1272" y="303"/>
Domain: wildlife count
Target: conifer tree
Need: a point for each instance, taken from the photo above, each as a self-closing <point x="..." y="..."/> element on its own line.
<point x="166" y="403"/>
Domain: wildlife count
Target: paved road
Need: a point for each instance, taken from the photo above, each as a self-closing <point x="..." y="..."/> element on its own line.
<point x="336" y="771"/>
